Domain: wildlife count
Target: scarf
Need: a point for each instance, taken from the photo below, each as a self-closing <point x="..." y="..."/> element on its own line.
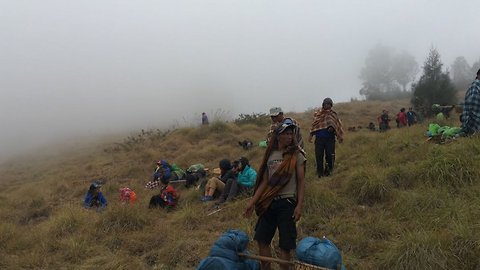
<point x="277" y="181"/>
<point x="327" y="118"/>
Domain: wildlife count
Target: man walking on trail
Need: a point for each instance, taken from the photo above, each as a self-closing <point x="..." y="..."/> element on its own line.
<point x="470" y="117"/>
<point x="325" y="127"/>
<point x="279" y="192"/>
<point x="204" y="119"/>
<point x="276" y="114"/>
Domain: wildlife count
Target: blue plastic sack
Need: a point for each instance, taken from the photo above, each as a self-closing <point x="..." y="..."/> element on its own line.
<point x="216" y="263"/>
<point x="319" y="252"/>
<point x="229" y="244"/>
<point x="224" y="253"/>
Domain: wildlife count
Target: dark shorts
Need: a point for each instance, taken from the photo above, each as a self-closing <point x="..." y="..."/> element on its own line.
<point x="278" y="215"/>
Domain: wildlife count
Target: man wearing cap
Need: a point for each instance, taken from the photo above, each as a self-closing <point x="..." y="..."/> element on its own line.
<point x="276" y="114"/>
<point x="470" y="117"/>
<point x="325" y="127"/>
<point x="279" y="193"/>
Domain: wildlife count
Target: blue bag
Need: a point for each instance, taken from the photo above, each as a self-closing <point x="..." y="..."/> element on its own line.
<point x="224" y="253"/>
<point x="319" y="252"/>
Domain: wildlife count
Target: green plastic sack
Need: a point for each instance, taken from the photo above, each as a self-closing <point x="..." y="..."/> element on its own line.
<point x="451" y="132"/>
<point x="433" y="129"/>
<point x="179" y="172"/>
<point x="195" y="168"/>
<point x="263" y="144"/>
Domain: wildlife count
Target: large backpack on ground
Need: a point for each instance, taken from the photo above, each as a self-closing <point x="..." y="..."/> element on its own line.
<point x="194" y="173"/>
<point x="319" y="252"/>
<point x="180" y="174"/>
<point x="167" y="198"/>
<point x="224" y="253"/>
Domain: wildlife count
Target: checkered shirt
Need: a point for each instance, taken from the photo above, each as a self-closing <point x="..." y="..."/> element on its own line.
<point x="471" y="109"/>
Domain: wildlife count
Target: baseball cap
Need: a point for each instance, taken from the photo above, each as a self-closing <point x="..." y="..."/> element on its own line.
<point x="275" y="111"/>
<point x="286" y="123"/>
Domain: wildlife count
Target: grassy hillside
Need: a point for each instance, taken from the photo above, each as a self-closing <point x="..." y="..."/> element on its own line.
<point x="395" y="201"/>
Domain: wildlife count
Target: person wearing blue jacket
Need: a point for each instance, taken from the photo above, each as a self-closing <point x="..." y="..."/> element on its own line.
<point x="94" y="198"/>
<point x="163" y="171"/>
<point x="243" y="182"/>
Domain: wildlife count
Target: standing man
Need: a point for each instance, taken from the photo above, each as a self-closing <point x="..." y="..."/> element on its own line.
<point x="204" y="119"/>
<point x="383" y="121"/>
<point x="276" y="114"/>
<point x="470" y="117"/>
<point x="279" y="193"/>
<point x="325" y="127"/>
<point x="411" y="117"/>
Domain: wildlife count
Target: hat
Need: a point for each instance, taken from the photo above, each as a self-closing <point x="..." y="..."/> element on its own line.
<point x="225" y="164"/>
<point x="275" y="111"/>
<point x="99" y="182"/>
<point x="327" y="101"/>
<point x="286" y="123"/>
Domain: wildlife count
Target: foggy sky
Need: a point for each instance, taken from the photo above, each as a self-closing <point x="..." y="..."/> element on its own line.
<point x="95" y="67"/>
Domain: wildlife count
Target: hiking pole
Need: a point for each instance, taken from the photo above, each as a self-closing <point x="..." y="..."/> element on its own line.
<point x="177" y="181"/>
<point x="296" y="264"/>
<point x="220" y="209"/>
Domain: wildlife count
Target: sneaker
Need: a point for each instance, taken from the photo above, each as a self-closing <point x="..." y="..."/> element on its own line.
<point x="206" y="198"/>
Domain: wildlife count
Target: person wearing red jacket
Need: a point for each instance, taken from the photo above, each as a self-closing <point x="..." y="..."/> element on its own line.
<point x="401" y="118"/>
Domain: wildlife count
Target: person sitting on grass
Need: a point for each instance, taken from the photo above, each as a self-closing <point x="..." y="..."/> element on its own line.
<point x="163" y="171"/>
<point x="215" y="185"/>
<point x="242" y="183"/>
<point x="167" y="198"/>
<point x="94" y="198"/>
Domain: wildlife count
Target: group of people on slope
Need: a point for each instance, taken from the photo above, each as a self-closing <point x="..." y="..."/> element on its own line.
<point x="280" y="187"/>
<point x="325" y="130"/>
<point x="469" y="118"/>
<point x="402" y="119"/>
<point x="233" y="179"/>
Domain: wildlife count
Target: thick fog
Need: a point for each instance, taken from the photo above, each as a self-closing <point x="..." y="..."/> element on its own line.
<point x="83" y="68"/>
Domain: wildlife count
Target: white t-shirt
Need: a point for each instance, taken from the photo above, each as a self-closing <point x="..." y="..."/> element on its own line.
<point x="274" y="160"/>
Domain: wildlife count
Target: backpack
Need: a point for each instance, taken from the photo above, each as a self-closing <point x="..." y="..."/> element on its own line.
<point x="167" y="198"/>
<point x="178" y="171"/>
<point x="127" y="195"/>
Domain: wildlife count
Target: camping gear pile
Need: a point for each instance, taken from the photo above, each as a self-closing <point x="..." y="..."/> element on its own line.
<point x="229" y="252"/>
<point x="439" y="134"/>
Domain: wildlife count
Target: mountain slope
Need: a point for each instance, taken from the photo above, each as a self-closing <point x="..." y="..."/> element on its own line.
<point x="395" y="201"/>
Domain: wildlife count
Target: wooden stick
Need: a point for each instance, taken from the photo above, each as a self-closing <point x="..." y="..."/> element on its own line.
<point x="263" y="258"/>
<point x="280" y="261"/>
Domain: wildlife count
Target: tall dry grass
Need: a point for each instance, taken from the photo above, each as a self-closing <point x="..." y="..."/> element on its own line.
<point x="395" y="201"/>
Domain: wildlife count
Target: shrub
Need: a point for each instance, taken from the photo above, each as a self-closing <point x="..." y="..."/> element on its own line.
<point x="259" y="119"/>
